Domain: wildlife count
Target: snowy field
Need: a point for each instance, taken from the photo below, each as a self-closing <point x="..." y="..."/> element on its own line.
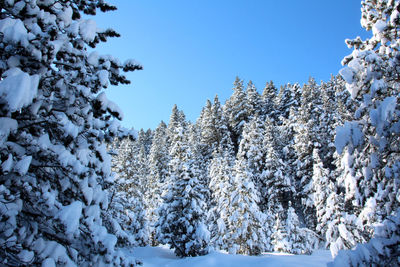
<point x="164" y="257"/>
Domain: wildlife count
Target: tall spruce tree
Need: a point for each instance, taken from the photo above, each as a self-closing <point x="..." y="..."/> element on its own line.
<point x="252" y="151"/>
<point x="236" y="112"/>
<point x="221" y="186"/>
<point x="306" y="124"/>
<point x="127" y="210"/>
<point x="253" y="99"/>
<point x="54" y="120"/>
<point x="181" y="217"/>
<point x="158" y="171"/>
<point x="268" y="99"/>
<point x="246" y="221"/>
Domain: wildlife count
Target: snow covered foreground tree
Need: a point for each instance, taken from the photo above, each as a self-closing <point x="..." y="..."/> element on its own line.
<point x="54" y="118"/>
<point x="369" y="143"/>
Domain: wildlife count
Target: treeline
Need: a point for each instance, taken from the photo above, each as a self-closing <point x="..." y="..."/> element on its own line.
<point x="259" y="173"/>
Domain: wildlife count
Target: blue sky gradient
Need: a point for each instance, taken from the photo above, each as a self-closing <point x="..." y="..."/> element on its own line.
<point x="193" y="50"/>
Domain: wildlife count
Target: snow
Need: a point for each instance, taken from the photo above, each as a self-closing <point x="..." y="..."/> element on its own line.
<point x="107" y="104"/>
<point x="350" y="131"/>
<point x="103" y="78"/>
<point x="6" y="165"/>
<point x="14" y="31"/>
<point x="69" y="216"/>
<point x="163" y="256"/>
<point x="7" y="125"/>
<point x="88" y="30"/>
<point x="93" y="58"/>
<point x="22" y="166"/>
<point x="381" y="115"/>
<point x="18" y="88"/>
<point x="26" y="256"/>
<point x="379" y="27"/>
<point x="66" y="16"/>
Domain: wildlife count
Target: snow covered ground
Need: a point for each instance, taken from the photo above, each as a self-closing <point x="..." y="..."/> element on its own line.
<point x="163" y="256"/>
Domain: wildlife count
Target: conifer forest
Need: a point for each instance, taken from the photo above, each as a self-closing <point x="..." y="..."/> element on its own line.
<point x="291" y="169"/>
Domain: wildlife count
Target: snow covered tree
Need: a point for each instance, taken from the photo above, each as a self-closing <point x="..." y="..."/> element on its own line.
<point x="236" y="111"/>
<point x="254" y="103"/>
<point x="278" y="188"/>
<point x="214" y="128"/>
<point x="372" y="78"/>
<point x="128" y="195"/>
<point x="290" y="237"/>
<point x="145" y="139"/>
<point x="158" y="171"/>
<point x="245" y="221"/>
<point x="54" y="119"/>
<point x="268" y="99"/>
<point x="343" y="229"/>
<point x="328" y="119"/>
<point x="306" y="124"/>
<point x="288" y="98"/>
<point x="126" y="212"/>
<point x="221" y="185"/>
<point x="381" y="250"/>
<point x="252" y="151"/>
<point x="321" y="179"/>
<point x="181" y="217"/>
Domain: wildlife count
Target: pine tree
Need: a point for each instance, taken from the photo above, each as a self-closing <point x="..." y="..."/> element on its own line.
<point x="182" y="214"/>
<point x="126" y="213"/>
<point x="299" y="240"/>
<point x="306" y="123"/>
<point x="158" y="171"/>
<point x="252" y="151"/>
<point x="288" y="98"/>
<point x="246" y="221"/>
<point x="214" y="128"/>
<point x="372" y="78"/>
<point x="54" y="120"/>
<point x="221" y="185"/>
<point x="343" y="229"/>
<point x="268" y="99"/>
<point x="278" y="187"/>
<point x="254" y="103"/>
<point x="236" y="111"/>
<point x="321" y="180"/>
<point x="382" y="250"/>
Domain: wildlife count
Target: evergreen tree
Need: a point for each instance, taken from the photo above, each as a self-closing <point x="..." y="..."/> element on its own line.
<point x="305" y="138"/>
<point x="246" y="221"/>
<point x="382" y="250"/>
<point x="297" y="240"/>
<point x="158" y="171"/>
<point x="278" y="187"/>
<point x="236" y="111"/>
<point x="343" y="229"/>
<point x="54" y="120"/>
<point x="126" y="213"/>
<point x="251" y="149"/>
<point x="288" y="98"/>
<point x="214" y="128"/>
<point x="321" y="180"/>
<point x="221" y="186"/>
<point x="268" y="99"/>
<point x="254" y="103"/>
<point x="181" y="222"/>
<point x="372" y="78"/>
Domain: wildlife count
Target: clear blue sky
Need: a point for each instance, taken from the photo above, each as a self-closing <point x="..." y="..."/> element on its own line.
<point x="193" y="50"/>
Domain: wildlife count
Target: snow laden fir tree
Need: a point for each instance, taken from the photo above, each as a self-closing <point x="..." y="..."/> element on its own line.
<point x="54" y="121"/>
